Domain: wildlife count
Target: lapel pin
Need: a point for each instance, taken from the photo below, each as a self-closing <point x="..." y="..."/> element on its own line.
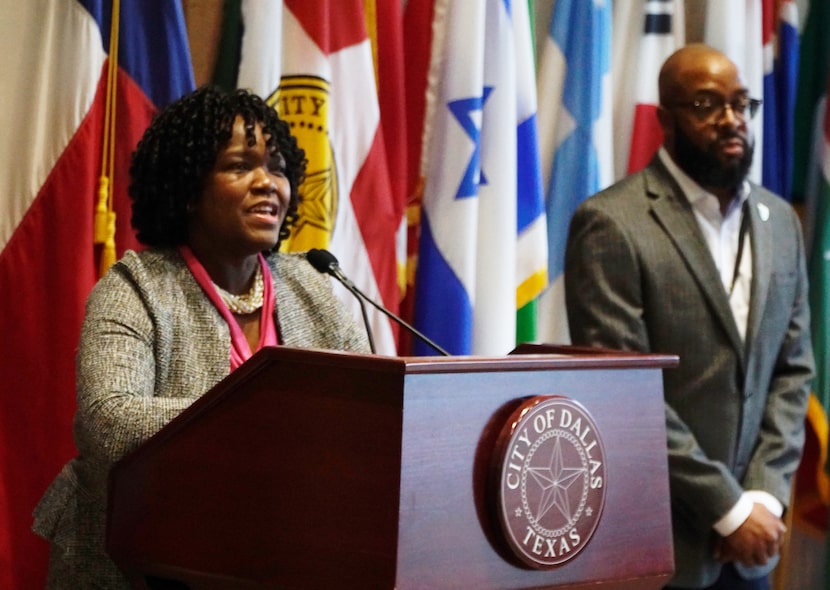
<point x="763" y="211"/>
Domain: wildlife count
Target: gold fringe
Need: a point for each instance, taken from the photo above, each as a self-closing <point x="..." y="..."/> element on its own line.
<point x="108" y="251"/>
<point x="100" y="227"/>
<point x="104" y="227"/>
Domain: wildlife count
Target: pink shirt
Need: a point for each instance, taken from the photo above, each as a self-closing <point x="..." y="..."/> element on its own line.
<point x="240" y="351"/>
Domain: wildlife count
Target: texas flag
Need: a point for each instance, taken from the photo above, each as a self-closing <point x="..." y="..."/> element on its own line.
<point x="53" y="54"/>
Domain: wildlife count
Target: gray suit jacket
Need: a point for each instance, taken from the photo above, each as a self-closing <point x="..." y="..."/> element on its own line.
<point x="640" y="277"/>
<point x="152" y="343"/>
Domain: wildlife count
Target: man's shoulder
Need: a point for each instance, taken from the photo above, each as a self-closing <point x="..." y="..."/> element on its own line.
<point x="768" y="197"/>
<point x="626" y="192"/>
<point x="777" y="208"/>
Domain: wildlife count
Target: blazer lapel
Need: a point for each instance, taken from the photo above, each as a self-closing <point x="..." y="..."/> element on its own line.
<point x="760" y="232"/>
<point x="674" y="214"/>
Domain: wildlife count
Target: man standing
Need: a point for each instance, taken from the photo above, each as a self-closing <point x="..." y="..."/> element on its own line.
<point x="688" y="257"/>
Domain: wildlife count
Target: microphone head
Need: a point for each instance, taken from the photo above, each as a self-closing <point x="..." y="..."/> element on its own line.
<point x="323" y="260"/>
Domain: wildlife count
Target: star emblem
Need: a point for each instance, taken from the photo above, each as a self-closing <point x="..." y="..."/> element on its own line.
<point x="555" y="479"/>
<point x="467" y="111"/>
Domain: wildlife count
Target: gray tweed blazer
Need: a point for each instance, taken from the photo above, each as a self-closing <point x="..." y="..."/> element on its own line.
<point x="151" y="343"/>
<point x="639" y="276"/>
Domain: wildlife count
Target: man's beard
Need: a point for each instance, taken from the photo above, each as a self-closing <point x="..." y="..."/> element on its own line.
<point x="704" y="167"/>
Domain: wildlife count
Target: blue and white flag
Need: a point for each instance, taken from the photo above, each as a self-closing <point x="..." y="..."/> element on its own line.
<point x="781" y="51"/>
<point x="481" y="247"/>
<point x="576" y="133"/>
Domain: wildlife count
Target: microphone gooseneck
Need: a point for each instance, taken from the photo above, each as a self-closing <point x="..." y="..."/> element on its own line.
<point x="326" y="263"/>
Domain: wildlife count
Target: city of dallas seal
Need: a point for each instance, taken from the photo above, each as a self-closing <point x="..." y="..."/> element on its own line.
<point x="550" y="474"/>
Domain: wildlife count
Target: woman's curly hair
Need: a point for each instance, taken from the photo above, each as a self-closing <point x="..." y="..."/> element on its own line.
<point x="177" y="152"/>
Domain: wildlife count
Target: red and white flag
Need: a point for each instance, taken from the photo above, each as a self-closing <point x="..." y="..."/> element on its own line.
<point x="418" y="17"/>
<point x="661" y="30"/>
<point x="315" y="63"/>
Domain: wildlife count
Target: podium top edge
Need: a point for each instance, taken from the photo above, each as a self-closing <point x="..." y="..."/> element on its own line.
<point x="524" y="358"/>
<point x="536" y="362"/>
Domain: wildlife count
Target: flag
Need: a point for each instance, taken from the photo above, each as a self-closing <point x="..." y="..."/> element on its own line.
<point x="315" y="62"/>
<point x="781" y="47"/>
<point x="576" y="132"/>
<point x="812" y="484"/>
<point x="386" y="33"/>
<point x="663" y="32"/>
<point x="531" y="230"/>
<point x="53" y="57"/>
<point x="735" y="27"/>
<point x="811" y="185"/>
<point x="479" y="152"/>
<point x="813" y="69"/>
<point x="417" y="22"/>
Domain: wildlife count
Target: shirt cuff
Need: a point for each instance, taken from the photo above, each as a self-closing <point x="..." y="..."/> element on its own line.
<point x="730" y="522"/>
<point x="769" y="501"/>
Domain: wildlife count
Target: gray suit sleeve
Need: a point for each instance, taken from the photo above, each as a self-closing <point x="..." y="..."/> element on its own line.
<point x="116" y="372"/>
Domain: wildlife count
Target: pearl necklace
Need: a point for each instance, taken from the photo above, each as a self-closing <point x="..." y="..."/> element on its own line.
<point x="247" y="302"/>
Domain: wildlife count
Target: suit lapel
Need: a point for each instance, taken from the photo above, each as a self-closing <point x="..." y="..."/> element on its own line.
<point x="674" y="214"/>
<point x="760" y="230"/>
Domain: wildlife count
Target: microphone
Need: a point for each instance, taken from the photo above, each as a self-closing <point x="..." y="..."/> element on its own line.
<point x="325" y="262"/>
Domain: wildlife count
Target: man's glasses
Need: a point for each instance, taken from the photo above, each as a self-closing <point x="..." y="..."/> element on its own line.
<point x="712" y="108"/>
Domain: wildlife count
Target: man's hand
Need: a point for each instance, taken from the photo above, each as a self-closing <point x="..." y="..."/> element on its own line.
<point x="758" y="539"/>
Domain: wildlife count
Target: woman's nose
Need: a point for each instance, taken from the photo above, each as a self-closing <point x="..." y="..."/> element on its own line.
<point x="264" y="179"/>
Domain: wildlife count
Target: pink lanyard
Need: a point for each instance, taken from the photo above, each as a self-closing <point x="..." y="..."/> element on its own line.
<point x="240" y="351"/>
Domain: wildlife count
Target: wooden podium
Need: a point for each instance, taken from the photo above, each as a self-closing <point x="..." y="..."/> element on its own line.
<point x="311" y="469"/>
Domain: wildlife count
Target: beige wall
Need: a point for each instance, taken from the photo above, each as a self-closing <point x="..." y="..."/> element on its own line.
<point x="204" y="27"/>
